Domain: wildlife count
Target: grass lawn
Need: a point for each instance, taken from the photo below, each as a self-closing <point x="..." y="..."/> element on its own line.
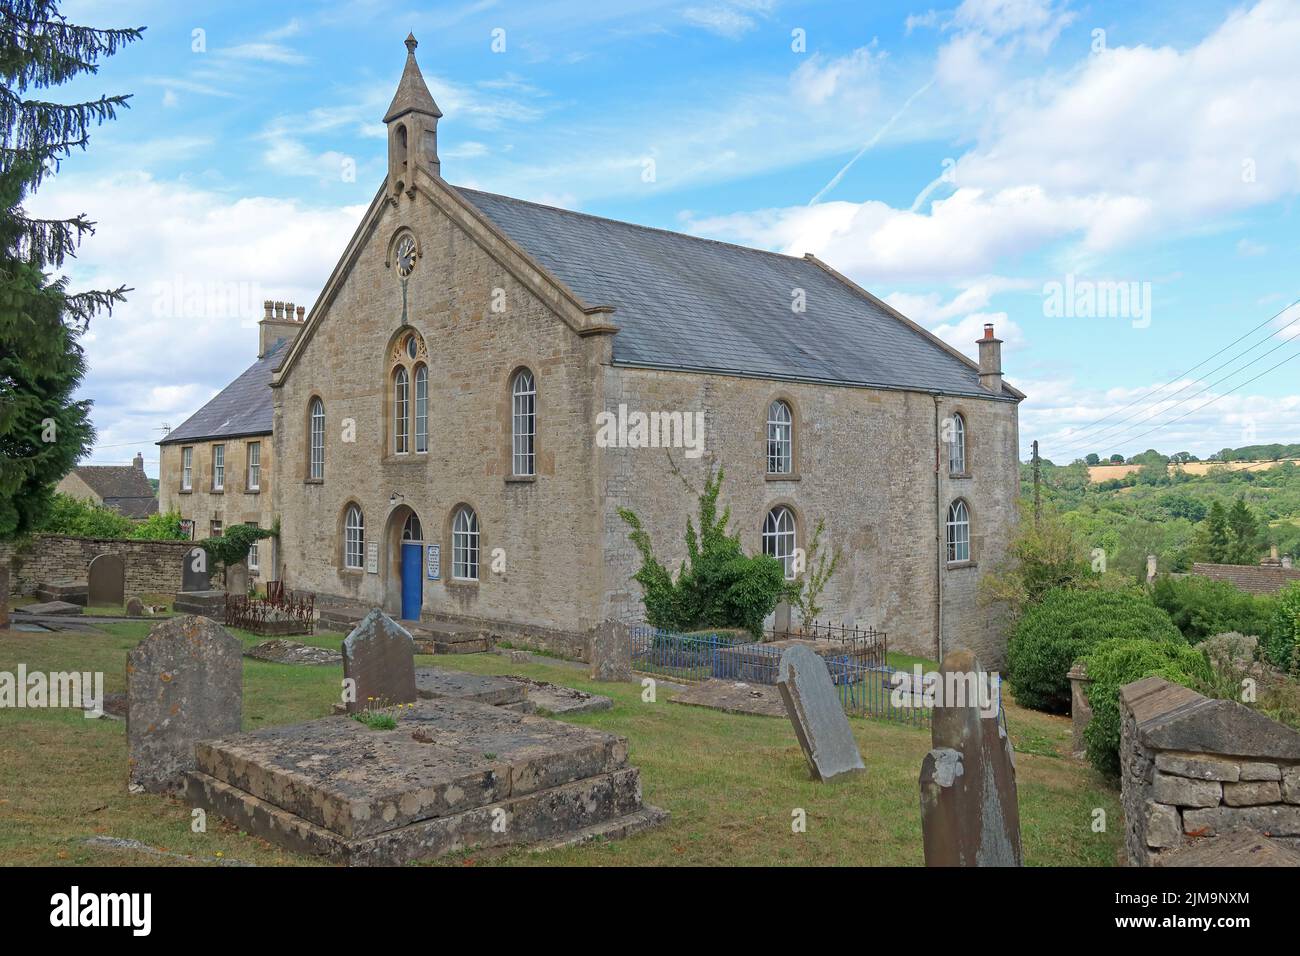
<point x="730" y="781"/>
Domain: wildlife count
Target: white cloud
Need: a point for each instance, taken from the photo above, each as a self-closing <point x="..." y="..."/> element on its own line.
<point x="265" y="53"/>
<point x="723" y="20"/>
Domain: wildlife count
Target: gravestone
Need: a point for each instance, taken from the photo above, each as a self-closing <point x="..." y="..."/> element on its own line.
<point x="237" y="579"/>
<point x="194" y="570"/>
<point x="379" y="657"/>
<point x="184" y="683"/>
<point x="970" y="814"/>
<point x="4" y="595"/>
<point x="107" y="581"/>
<point x="609" y="652"/>
<point x="135" y="607"/>
<point x="815" y="711"/>
<point x="781" y="624"/>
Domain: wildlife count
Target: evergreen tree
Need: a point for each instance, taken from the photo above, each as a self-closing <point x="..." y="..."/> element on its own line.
<point x="43" y="432"/>
<point x="1212" y="536"/>
<point x="1244" y="546"/>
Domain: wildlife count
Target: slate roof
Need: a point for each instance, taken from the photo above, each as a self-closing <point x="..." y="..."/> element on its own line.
<point x="241" y="408"/>
<point x="683" y="302"/>
<point x="1252" y="578"/>
<point x="122" y="487"/>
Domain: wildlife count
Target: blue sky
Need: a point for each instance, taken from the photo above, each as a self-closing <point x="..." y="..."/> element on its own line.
<point x="962" y="161"/>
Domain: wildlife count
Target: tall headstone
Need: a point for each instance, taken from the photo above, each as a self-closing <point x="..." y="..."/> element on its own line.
<point x="609" y="652"/>
<point x="194" y="570"/>
<point x="970" y="814"/>
<point x="781" y="624"/>
<point x="816" y="713"/>
<point x="237" y="579"/>
<point x="379" y="660"/>
<point x="107" y="581"/>
<point x="184" y="683"/>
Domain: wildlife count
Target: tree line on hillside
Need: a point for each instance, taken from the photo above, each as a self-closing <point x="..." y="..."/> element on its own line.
<point x="1272" y="452"/>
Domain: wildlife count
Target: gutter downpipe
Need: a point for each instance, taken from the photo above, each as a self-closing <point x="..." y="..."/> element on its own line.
<point x="938" y="545"/>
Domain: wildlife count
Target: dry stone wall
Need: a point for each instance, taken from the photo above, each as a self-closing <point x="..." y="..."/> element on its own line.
<point x="152" y="567"/>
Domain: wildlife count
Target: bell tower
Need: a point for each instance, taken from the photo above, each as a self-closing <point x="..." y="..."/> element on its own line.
<point x="412" y="121"/>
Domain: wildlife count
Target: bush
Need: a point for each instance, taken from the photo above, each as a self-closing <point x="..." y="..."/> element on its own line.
<point x="1201" y="608"/>
<point x="1063" y="627"/>
<point x="1279" y="647"/>
<point x="85" y="519"/>
<point x="1119" y="661"/>
<point x="718" y="584"/>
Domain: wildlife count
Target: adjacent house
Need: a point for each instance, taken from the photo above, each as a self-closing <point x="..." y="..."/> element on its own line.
<point x="124" y="488"/>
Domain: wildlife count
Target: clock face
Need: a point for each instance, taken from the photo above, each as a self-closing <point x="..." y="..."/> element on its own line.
<point x="405" y="256"/>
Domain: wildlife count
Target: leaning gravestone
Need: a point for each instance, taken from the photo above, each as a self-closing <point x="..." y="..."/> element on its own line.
<point x="815" y="710"/>
<point x="610" y="652"/>
<point x="184" y="683"/>
<point x="970" y="813"/>
<point x="107" y="581"/>
<point x="194" y="571"/>
<point x="379" y="660"/>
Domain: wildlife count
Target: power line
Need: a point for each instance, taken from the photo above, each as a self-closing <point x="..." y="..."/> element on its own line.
<point x="1179" y="377"/>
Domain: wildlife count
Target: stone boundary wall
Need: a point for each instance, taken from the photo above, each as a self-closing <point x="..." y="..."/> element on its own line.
<point x="152" y="567"/>
<point x="1194" y="767"/>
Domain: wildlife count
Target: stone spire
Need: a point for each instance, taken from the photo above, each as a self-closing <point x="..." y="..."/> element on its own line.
<point x="412" y="121"/>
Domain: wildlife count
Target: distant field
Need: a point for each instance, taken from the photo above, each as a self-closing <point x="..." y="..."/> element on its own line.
<point x="1098" y="473"/>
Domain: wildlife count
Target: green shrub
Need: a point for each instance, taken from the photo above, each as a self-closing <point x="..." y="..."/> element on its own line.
<point x="718" y="585"/>
<point x="1279" y="646"/>
<point x="1201" y="608"/>
<point x="1114" y="663"/>
<point x="85" y="519"/>
<point x="1064" y="626"/>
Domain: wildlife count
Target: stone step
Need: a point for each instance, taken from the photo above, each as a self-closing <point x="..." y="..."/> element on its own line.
<point x="608" y="805"/>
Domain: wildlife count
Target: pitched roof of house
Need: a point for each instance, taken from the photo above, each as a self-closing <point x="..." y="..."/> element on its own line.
<point x="122" y="487"/>
<point x="683" y="302"/>
<point x="1253" y="578"/>
<point x="241" y="408"/>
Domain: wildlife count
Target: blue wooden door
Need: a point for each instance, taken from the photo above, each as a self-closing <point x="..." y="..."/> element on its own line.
<point x="412" y="593"/>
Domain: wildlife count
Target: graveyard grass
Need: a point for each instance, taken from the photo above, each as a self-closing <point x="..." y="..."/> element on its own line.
<point x="731" y="781"/>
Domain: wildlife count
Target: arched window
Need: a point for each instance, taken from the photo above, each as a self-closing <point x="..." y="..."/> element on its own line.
<point x="316" y="467"/>
<point x="401" y="410"/>
<point x="957" y="446"/>
<point x="464" y="545"/>
<point x="411" y="531"/>
<point x="780" y="439"/>
<point x="354" y="539"/>
<point x="421" y="409"/>
<point x="958" y="532"/>
<point x="523" y="430"/>
<point x="778" y="538"/>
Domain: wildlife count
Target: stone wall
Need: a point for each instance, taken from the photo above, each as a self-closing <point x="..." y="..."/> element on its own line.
<point x="1194" y="767"/>
<point x="152" y="567"/>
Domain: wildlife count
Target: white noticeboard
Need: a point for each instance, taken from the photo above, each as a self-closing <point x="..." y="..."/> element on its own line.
<point x="372" y="557"/>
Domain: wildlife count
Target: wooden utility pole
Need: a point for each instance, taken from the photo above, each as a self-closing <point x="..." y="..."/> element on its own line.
<point x="1038" y="501"/>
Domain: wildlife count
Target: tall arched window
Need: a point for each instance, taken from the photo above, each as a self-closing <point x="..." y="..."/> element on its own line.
<point x="957" y="446"/>
<point x="778" y="538"/>
<point x="401" y="411"/>
<point x="958" y="532"/>
<point x="780" y="439"/>
<point x="354" y="539"/>
<point x="316" y="457"/>
<point x="464" y="544"/>
<point x="421" y="409"/>
<point x="523" y="429"/>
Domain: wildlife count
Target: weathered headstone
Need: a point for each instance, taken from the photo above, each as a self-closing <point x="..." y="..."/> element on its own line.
<point x="184" y="683"/>
<point x="107" y="581"/>
<point x="781" y="624"/>
<point x="379" y="660"/>
<point x="194" y="570"/>
<point x="135" y="607"/>
<point x="816" y="713"/>
<point x="609" y="652"/>
<point x="970" y="814"/>
<point x="237" y="579"/>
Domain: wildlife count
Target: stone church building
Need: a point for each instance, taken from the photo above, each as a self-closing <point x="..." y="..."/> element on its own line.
<point x="483" y="383"/>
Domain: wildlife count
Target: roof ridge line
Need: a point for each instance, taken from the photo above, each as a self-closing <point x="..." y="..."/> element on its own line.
<point x="634" y="225"/>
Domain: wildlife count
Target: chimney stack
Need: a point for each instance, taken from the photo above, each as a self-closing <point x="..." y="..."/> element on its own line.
<point x="283" y="320"/>
<point x="138" y="462"/>
<point x="1272" y="561"/>
<point x="990" y="360"/>
<point x="1286" y="561"/>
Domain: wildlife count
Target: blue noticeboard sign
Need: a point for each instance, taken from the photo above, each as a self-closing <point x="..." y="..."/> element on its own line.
<point x="435" y="562"/>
